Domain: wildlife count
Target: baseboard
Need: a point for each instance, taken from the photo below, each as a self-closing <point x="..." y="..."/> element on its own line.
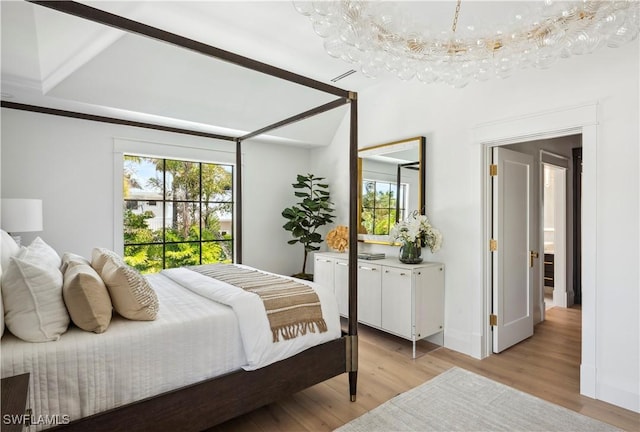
<point x="619" y="397"/>
<point x="589" y="386"/>
<point x="477" y="342"/>
<point x="570" y="298"/>
<point x="465" y="343"/>
<point x="588" y="380"/>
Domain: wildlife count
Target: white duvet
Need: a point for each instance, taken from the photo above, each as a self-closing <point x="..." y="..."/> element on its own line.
<point x="255" y="331"/>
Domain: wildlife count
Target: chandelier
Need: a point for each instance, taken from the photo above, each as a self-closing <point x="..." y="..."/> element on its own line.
<point x="380" y="36"/>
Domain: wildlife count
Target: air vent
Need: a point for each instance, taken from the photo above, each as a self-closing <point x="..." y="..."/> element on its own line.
<point x="344" y="75"/>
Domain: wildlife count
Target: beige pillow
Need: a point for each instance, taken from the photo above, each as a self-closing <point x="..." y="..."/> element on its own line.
<point x="100" y="256"/>
<point x="87" y="298"/>
<point x="70" y="259"/>
<point x="131" y="294"/>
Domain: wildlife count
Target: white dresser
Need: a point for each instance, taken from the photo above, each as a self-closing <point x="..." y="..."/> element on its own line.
<point x="406" y="300"/>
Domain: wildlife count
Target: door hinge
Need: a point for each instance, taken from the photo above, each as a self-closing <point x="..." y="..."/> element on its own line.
<point x="493" y="320"/>
<point x="493" y="170"/>
<point x="493" y="245"/>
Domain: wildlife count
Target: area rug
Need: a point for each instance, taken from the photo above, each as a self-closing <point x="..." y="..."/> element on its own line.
<point x="459" y="400"/>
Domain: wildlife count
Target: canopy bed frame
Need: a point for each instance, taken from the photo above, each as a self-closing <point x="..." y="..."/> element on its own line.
<point x="205" y="404"/>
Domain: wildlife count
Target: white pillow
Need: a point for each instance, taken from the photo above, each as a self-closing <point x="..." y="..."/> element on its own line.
<point x="40" y="252"/>
<point x="32" y="297"/>
<point x="9" y="248"/>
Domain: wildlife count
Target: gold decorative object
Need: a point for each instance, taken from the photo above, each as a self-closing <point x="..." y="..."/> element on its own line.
<point x="338" y="238"/>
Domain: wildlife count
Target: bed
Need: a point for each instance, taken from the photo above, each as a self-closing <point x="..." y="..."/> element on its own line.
<point x="204" y="395"/>
<point x="193" y="339"/>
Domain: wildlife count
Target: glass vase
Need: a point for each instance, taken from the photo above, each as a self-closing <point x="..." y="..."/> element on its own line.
<point x="410" y="253"/>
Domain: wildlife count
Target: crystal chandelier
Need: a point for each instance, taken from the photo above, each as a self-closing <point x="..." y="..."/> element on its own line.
<point x="379" y="36"/>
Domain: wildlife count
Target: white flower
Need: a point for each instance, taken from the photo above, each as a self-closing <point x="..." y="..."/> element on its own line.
<point x="417" y="229"/>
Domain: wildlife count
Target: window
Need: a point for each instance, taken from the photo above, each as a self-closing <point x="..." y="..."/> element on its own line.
<point x="379" y="205"/>
<point x="176" y="213"/>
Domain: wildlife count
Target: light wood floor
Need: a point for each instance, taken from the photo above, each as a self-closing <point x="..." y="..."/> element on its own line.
<point x="545" y="365"/>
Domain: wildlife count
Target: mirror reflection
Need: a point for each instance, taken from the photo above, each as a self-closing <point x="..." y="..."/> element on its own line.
<point x="392" y="184"/>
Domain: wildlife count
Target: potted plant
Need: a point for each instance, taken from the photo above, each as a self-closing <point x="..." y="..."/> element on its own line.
<point x="313" y="211"/>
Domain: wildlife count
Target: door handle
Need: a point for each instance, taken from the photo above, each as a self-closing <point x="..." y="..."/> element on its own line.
<point x="532" y="255"/>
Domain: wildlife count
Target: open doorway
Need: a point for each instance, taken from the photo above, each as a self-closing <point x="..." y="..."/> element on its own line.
<point x="580" y="121"/>
<point x="558" y="221"/>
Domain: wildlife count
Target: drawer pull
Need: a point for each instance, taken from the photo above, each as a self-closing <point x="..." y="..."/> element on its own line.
<point x="401" y="273"/>
<point x="342" y="264"/>
<point x="367" y="268"/>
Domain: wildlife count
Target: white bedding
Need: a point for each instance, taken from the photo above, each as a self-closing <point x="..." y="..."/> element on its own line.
<point x="84" y="373"/>
<point x="255" y="331"/>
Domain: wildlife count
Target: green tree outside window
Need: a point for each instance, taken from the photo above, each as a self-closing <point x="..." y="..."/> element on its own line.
<point x="176" y="213"/>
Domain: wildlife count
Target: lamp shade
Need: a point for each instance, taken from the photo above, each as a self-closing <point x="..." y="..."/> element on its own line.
<point x="21" y="215"/>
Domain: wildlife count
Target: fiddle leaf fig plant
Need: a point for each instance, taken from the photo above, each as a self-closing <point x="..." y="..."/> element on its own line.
<point x="312" y="212"/>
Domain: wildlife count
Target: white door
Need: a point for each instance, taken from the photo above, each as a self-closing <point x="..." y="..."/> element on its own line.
<point x="512" y="231"/>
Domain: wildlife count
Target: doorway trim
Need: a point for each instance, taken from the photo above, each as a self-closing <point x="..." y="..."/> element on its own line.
<point x="580" y="119"/>
<point x="561" y="295"/>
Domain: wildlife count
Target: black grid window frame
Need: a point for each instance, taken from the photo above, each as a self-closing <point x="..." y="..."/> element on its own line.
<point x="163" y="202"/>
<point x="389" y="208"/>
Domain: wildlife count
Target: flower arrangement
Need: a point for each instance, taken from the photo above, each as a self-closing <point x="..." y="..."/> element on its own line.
<point x="418" y="230"/>
<point x="338" y="238"/>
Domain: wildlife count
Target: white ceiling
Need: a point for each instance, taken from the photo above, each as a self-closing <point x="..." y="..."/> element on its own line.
<point x="56" y="60"/>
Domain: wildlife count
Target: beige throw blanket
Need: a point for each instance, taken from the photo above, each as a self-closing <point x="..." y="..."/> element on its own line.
<point x="292" y="308"/>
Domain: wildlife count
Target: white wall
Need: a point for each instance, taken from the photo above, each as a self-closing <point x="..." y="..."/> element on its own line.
<point x="69" y="163"/>
<point x="447" y="117"/>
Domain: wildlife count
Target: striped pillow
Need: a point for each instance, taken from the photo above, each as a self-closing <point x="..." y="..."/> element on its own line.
<point x="100" y="256"/>
<point x="131" y="294"/>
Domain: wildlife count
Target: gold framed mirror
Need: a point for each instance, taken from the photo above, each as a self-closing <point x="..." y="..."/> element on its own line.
<point x="391" y="185"/>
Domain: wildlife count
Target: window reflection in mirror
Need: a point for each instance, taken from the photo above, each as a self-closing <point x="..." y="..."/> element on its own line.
<point x="391" y="186"/>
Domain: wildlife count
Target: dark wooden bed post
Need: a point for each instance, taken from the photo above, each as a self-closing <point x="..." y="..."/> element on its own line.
<point x="352" y="347"/>
<point x="238" y="189"/>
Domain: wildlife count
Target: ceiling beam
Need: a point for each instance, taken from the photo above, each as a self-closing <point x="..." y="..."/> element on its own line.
<point x="131" y="26"/>
<point x="296" y="118"/>
<point x="112" y="120"/>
